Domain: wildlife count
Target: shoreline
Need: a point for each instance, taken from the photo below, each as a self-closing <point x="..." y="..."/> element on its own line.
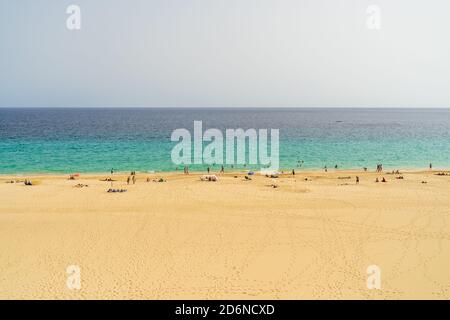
<point x="285" y="172"/>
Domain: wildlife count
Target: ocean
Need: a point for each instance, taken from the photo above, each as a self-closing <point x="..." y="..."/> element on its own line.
<point x="71" y="140"/>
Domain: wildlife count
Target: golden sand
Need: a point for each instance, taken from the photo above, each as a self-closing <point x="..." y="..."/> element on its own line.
<point x="232" y="239"/>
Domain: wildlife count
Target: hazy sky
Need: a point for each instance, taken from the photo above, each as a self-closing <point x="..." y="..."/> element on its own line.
<point x="200" y="53"/>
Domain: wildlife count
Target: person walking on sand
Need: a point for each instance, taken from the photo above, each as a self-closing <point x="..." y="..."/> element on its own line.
<point x="431" y="166"/>
<point x="134" y="179"/>
<point x="128" y="180"/>
<point x="208" y="169"/>
<point x="357" y="180"/>
<point x="222" y="169"/>
<point x="111" y="179"/>
<point x="293" y="172"/>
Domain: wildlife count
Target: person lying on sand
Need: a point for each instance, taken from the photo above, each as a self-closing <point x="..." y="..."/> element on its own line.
<point x="209" y="178"/>
<point x="116" y="190"/>
<point x="80" y="185"/>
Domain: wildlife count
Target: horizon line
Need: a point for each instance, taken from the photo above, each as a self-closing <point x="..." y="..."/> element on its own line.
<point x="220" y="107"/>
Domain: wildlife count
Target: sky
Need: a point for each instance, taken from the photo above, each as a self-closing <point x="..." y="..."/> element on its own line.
<point x="225" y="53"/>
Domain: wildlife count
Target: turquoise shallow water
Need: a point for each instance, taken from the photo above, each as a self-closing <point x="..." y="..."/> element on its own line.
<point x="96" y="140"/>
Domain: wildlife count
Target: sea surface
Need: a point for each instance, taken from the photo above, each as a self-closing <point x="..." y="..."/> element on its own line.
<point x="70" y="140"/>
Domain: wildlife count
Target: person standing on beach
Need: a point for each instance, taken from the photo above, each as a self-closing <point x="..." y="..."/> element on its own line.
<point x="111" y="179"/>
<point x="431" y="166"/>
<point x="222" y="169"/>
<point x="134" y="178"/>
<point x="208" y="169"/>
<point x="128" y="180"/>
<point x="293" y="172"/>
<point x="357" y="180"/>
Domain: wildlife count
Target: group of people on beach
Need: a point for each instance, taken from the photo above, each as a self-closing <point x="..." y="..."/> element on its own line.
<point x="222" y="169"/>
<point x="208" y="169"/>
<point x="132" y="177"/>
<point x="326" y="168"/>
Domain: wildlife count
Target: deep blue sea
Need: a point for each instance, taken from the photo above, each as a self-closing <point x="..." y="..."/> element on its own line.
<point x="45" y="140"/>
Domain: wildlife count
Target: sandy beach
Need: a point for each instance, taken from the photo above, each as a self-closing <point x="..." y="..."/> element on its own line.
<point x="231" y="239"/>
